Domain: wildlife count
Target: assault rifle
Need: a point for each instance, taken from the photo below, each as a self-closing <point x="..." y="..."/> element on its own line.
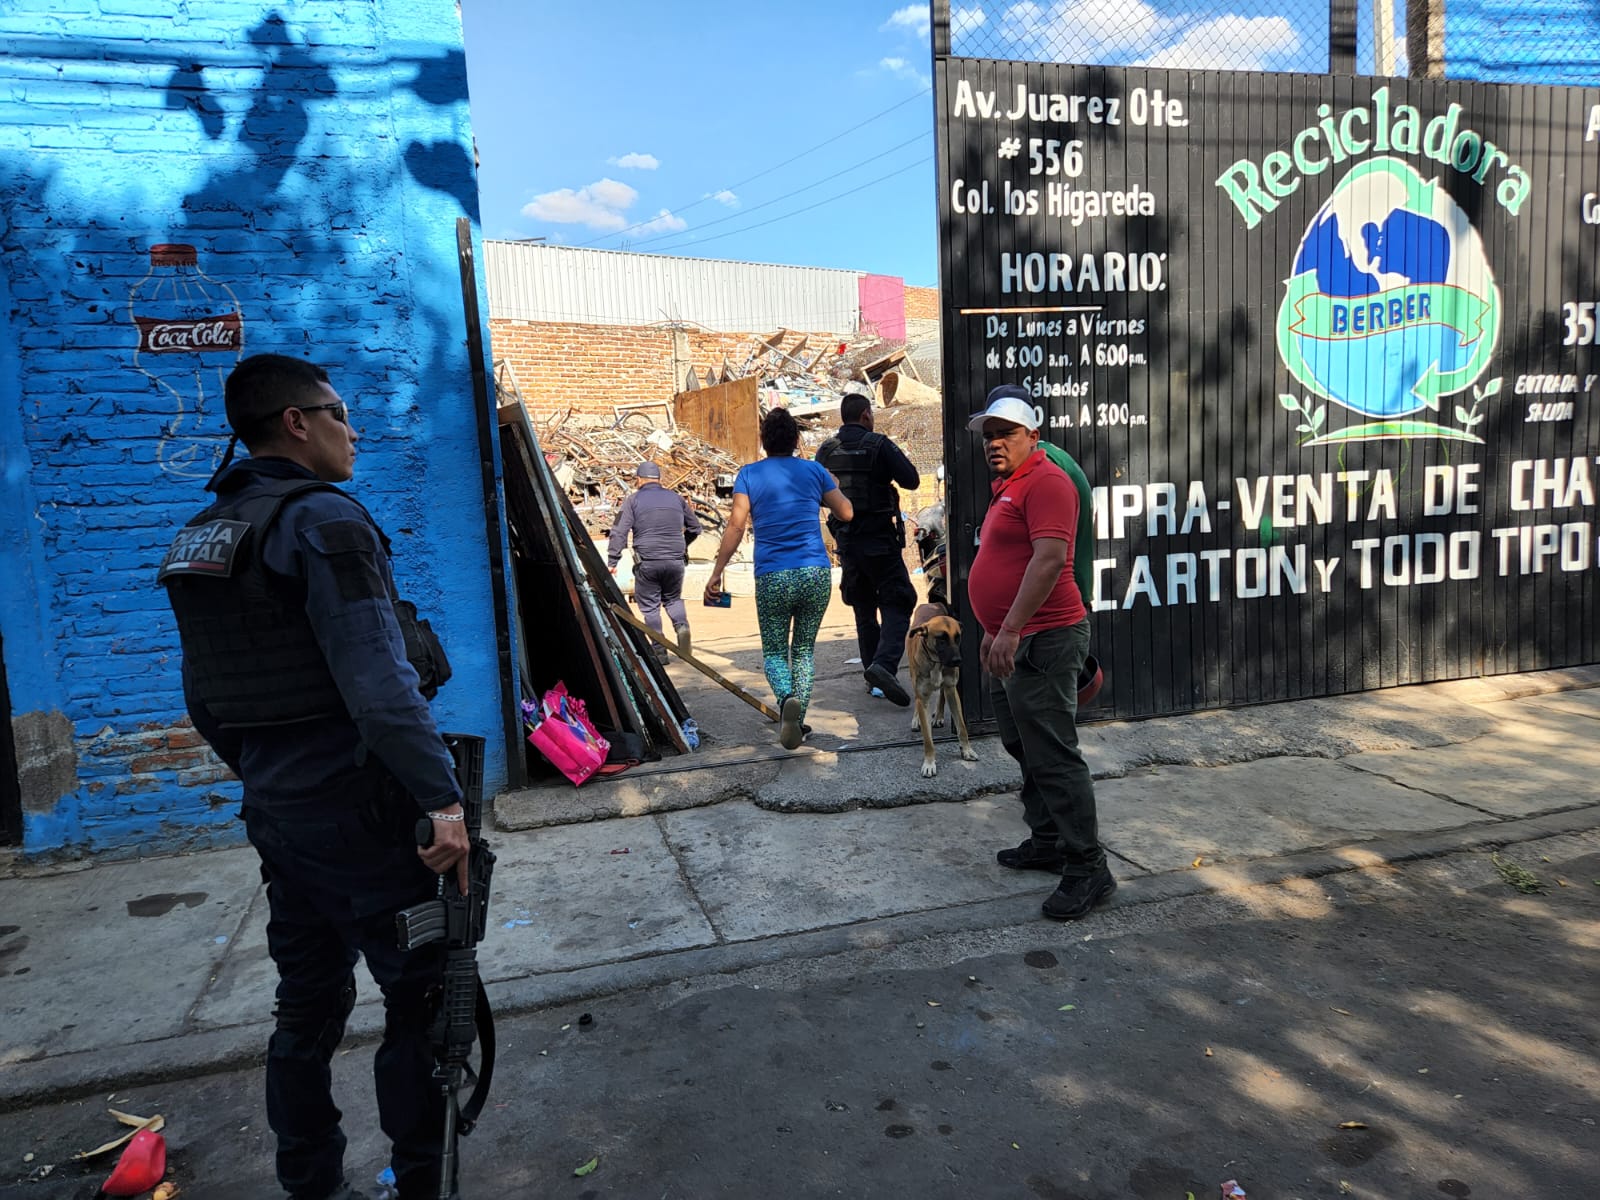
<point x="458" y="921"/>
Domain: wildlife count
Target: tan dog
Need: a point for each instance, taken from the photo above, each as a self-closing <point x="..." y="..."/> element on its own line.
<point x="933" y="652"/>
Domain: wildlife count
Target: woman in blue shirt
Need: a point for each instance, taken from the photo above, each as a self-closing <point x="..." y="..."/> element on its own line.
<point x="780" y="496"/>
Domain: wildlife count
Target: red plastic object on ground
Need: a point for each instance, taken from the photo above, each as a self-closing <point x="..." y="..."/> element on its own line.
<point x="143" y="1163"/>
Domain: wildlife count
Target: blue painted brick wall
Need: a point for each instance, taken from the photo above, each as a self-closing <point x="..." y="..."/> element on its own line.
<point x="1523" y="41"/>
<point x="316" y="155"/>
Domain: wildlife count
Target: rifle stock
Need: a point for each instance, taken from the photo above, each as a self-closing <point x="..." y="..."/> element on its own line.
<point x="462" y="1015"/>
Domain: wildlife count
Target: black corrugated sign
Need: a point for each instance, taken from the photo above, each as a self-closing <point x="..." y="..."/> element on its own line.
<point x="1324" y="346"/>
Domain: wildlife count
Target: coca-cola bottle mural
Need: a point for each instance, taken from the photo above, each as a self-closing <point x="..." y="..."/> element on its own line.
<point x="190" y="335"/>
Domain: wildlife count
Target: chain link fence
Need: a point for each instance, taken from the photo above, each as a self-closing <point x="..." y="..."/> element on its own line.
<point x="1552" y="42"/>
<point x="1238" y="35"/>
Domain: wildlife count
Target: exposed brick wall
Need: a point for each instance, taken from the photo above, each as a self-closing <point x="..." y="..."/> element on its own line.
<point x="591" y="368"/>
<point x="315" y="155"/>
<point x="587" y="368"/>
<point x="922" y="303"/>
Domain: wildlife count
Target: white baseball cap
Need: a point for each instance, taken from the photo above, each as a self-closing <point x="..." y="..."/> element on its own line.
<point x="1008" y="402"/>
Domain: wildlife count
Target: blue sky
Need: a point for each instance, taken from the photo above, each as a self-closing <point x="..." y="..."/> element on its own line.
<point x="699" y="128"/>
<point x="591" y="118"/>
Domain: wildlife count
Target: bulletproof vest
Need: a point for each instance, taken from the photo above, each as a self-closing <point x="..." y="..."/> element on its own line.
<point x="248" y="646"/>
<point x="855" y="467"/>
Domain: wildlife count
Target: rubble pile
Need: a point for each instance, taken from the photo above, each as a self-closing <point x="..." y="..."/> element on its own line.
<point x="594" y="462"/>
<point x="595" y="465"/>
<point x="802" y="377"/>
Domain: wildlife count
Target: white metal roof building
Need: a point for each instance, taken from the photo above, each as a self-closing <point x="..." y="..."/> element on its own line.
<point x="534" y="282"/>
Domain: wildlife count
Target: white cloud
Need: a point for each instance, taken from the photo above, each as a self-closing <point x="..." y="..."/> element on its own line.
<point x="663" y="222"/>
<point x="1086" y="30"/>
<point x="914" y="19"/>
<point x="612" y="194"/>
<point x="901" y="69"/>
<point x="601" y="205"/>
<point x="1228" y="43"/>
<point x="725" y="198"/>
<point x="1135" y="32"/>
<point x="637" y="162"/>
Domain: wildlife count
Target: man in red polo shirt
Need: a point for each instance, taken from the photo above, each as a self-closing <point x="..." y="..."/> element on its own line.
<point x="1035" y="638"/>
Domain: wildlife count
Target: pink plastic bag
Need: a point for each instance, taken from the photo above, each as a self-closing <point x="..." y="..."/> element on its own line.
<point x="560" y="729"/>
<point x="569" y="753"/>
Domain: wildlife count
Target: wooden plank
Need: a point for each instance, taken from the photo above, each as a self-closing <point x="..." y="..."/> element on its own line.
<point x="616" y="657"/>
<point x="482" y="400"/>
<point x="613" y="662"/>
<point x="635" y="662"/>
<point x="526" y="454"/>
<point x="621" y="610"/>
<point x="727" y="416"/>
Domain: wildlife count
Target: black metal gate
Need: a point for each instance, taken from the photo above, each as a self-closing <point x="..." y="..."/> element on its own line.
<point x="1323" y="344"/>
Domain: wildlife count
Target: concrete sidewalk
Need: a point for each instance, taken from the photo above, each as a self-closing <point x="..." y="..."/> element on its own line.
<point x="116" y="974"/>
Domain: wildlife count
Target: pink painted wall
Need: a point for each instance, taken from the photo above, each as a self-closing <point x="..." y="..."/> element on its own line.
<point x="883" y="304"/>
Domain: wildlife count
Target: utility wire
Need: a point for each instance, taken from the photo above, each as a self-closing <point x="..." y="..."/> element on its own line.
<point x="826" y="200"/>
<point x="762" y="174"/>
<point x="744" y="212"/>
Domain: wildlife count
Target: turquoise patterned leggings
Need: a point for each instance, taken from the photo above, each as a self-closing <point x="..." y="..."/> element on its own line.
<point x="797" y="599"/>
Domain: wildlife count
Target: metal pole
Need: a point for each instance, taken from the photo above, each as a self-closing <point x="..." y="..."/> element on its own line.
<point x="1341" y="37"/>
<point x="1383" y="35"/>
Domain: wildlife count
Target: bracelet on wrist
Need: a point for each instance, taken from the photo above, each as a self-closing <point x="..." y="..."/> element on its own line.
<point x="1008" y="629"/>
<point x="444" y="816"/>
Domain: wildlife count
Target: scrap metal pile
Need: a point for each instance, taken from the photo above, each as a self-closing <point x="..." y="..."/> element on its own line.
<point x="595" y="465"/>
<point x="804" y="378"/>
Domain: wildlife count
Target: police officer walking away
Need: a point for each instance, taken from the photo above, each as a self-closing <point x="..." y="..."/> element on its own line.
<point x="663" y="525"/>
<point x="867" y="466"/>
<point x="309" y="678"/>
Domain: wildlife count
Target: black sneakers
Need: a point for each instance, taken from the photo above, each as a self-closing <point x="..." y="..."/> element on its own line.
<point x="1075" y="897"/>
<point x="1030" y="856"/>
<point x="884" y="680"/>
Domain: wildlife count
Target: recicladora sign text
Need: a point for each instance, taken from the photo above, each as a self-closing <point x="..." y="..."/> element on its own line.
<point x="1375" y="129"/>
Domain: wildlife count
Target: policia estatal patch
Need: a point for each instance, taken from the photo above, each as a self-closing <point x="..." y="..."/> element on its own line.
<point x="207" y="550"/>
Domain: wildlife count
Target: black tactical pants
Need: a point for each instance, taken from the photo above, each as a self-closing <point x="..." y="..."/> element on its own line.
<point x="335" y="882"/>
<point x="874" y="583"/>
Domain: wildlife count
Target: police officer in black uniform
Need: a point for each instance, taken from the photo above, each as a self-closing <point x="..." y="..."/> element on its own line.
<point x="310" y="678"/>
<point x="868" y="466"/>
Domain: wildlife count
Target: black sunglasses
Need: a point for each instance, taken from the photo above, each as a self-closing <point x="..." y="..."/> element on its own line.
<point x="339" y="411"/>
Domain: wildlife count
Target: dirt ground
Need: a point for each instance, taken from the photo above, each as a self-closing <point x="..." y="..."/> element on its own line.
<point x="842" y="711"/>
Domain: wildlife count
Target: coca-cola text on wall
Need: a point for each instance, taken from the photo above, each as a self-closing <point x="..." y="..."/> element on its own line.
<point x="181" y="316"/>
<point x="222" y="332"/>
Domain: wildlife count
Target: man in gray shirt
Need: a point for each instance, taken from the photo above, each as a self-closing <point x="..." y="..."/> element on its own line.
<point x="662" y="525"/>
